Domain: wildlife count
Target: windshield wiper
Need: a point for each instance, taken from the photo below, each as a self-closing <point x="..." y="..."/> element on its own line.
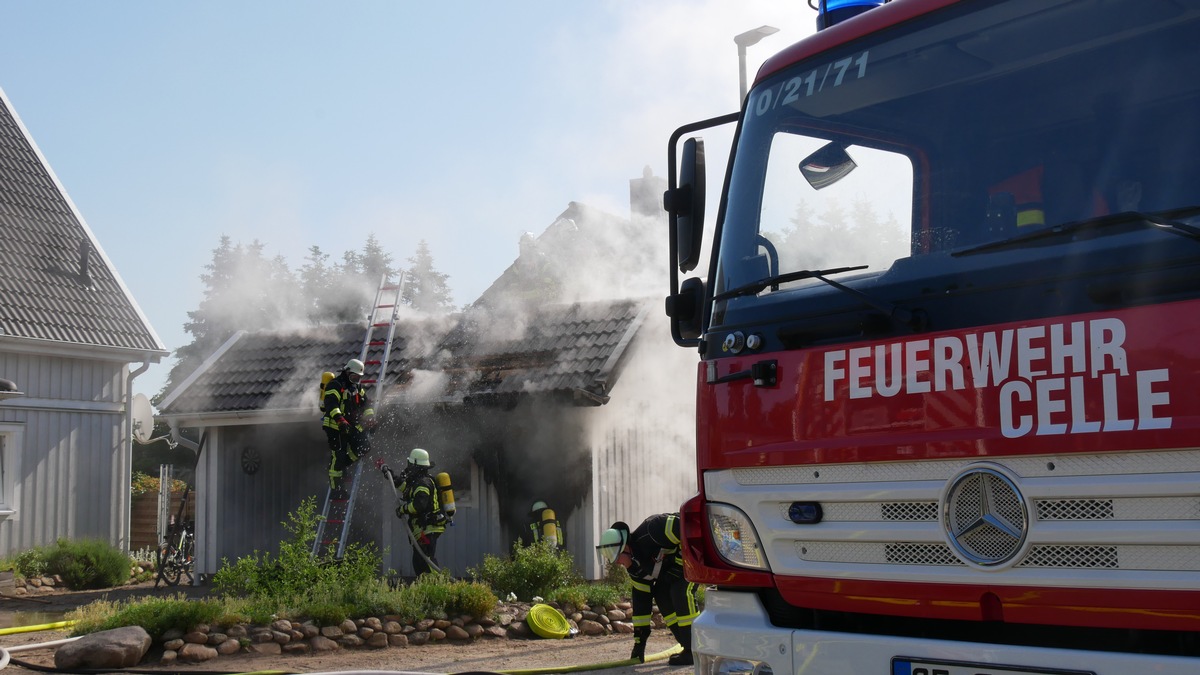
<point x="1163" y="220"/>
<point x="914" y="320"/>
<point x="755" y="287"/>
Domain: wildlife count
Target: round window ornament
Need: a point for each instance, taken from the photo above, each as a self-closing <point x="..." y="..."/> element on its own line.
<point x="251" y="460"/>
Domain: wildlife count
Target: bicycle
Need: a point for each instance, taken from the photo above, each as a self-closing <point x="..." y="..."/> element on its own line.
<point x="175" y="555"/>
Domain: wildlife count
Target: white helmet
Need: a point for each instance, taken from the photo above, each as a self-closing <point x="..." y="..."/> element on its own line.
<point x="355" y="366"/>
<point x="418" y="457"/>
<point x="612" y="542"/>
<point x="538" y="507"/>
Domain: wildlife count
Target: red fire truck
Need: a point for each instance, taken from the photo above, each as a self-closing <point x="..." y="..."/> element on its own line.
<point x="948" y="410"/>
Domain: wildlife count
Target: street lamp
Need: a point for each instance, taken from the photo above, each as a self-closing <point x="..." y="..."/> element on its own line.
<point x="744" y="40"/>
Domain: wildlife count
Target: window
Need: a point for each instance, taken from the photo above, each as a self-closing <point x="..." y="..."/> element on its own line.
<point x="10" y="468"/>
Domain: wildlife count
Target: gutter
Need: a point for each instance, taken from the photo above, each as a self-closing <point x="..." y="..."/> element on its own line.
<point x="178" y="439"/>
<point x="230" y="417"/>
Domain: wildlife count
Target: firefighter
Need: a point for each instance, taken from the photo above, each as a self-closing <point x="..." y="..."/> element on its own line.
<point x="348" y="421"/>
<point x="651" y="555"/>
<point x="419" y="502"/>
<point x="544" y="526"/>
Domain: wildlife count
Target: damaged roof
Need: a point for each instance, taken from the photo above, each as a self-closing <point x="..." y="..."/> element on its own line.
<point x="570" y="351"/>
<point x="55" y="281"/>
<point x="573" y="352"/>
<point x="277" y="371"/>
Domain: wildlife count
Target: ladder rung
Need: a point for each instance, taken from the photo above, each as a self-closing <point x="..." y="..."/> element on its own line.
<point x="372" y="362"/>
<point x="389" y="287"/>
<point x="385" y="306"/>
<point x="331" y="520"/>
<point x="367" y="381"/>
<point x="381" y="325"/>
<point x="376" y="343"/>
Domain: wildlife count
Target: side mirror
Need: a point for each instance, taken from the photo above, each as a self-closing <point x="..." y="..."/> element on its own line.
<point x="827" y="165"/>
<point x="685" y="205"/>
<point x="686" y="307"/>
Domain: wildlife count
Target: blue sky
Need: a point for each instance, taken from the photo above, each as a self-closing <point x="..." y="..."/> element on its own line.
<point x="302" y="123"/>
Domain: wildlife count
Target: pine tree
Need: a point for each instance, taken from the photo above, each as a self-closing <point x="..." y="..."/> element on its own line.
<point x="316" y="282"/>
<point x="425" y="288"/>
<point x="243" y="291"/>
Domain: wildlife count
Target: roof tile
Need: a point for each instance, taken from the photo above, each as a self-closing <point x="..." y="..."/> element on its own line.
<point x="45" y="294"/>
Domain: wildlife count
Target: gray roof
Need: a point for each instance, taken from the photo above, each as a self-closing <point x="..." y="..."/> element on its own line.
<point x="274" y="371"/>
<point x="573" y="352"/>
<point x="55" y="281"/>
<point x="570" y="351"/>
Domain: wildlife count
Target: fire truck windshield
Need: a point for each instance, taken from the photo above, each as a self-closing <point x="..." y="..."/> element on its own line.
<point x="933" y="137"/>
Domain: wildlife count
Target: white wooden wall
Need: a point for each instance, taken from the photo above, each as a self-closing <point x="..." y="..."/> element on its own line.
<point x="67" y="451"/>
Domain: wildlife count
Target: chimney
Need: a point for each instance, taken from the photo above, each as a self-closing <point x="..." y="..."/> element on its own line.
<point x="85" y="277"/>
<point x="645" y="196"/>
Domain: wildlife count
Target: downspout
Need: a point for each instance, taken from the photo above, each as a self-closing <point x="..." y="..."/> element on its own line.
<point x="126" y="486"/>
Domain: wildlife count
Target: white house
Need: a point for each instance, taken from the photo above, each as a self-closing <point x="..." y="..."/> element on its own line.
<point x="72" y="340"/>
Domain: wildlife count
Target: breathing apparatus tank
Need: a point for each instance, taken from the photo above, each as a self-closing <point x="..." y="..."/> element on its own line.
<point x="325" y="378"/>
<point x="446" y="495"/>
<point x="549" y="527"/>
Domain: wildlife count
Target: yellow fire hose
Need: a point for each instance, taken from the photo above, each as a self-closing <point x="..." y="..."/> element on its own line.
<point x="33" y="629"/>
<point x="594" y="666"/>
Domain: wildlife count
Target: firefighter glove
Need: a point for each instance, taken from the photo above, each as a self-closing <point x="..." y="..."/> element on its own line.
<point x="343" y="422"/>
<point x="381" y="466"/>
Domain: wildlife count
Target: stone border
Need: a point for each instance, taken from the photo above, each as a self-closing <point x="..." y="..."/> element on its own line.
<point x="205" y="642"/>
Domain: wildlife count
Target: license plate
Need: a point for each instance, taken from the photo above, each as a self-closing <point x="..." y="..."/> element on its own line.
<point x="902" y="665"/>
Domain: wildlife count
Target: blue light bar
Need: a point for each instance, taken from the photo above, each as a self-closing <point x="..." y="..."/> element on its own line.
<point x="832" y="12"/>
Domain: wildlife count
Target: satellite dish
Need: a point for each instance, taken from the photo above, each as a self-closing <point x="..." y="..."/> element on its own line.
<point x="143" y="418"/>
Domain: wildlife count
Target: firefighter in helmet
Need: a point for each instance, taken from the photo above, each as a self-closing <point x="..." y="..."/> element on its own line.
<point x="348" y="421"/>
<point x="544" y="526"/>
<point x="652" y="556"/>
<point x="420" y="503"/>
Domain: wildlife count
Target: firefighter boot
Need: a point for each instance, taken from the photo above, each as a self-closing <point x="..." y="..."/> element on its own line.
<point x="336" y="491"/>
<point x="684" y="635"/>
<point x="640" y="635"/>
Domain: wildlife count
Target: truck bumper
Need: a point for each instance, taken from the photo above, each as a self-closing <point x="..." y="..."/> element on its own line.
<point x="733" y="636"/>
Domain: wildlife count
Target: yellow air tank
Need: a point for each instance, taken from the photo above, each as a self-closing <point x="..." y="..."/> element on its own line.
<point x="549" y="531"/>
<point x="445" y="494"/>
<point x="325" y="378"/>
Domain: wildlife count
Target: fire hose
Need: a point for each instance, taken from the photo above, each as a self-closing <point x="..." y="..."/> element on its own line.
<point x="408" y="527"/>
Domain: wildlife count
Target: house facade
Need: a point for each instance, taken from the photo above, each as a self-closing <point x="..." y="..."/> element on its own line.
<point x="72" y="341"/>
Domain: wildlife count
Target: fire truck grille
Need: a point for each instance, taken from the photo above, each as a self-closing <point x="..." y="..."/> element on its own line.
<point x="1074" y="509"/>
<point x="1102" y="520"/>
<point x="1072" y="557"/>
<point x="1063" y="557"/>
<point x="920" y="554"/>
<point x="908" y="511"/>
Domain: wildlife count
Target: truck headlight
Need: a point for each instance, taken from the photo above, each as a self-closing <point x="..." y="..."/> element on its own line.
<point x="734" y="537"/>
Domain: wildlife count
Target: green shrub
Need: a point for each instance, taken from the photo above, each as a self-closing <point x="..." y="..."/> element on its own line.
<point x="294" y="572"/>
<point x="156" y="615"/>
<point x="534" y="570"/>
<point x="30" y="563"/>
<point x="474" y="598"/>
<point x="88" y="564"/>
<point x="439" y="596"/>
<point x="593" y="595"/>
